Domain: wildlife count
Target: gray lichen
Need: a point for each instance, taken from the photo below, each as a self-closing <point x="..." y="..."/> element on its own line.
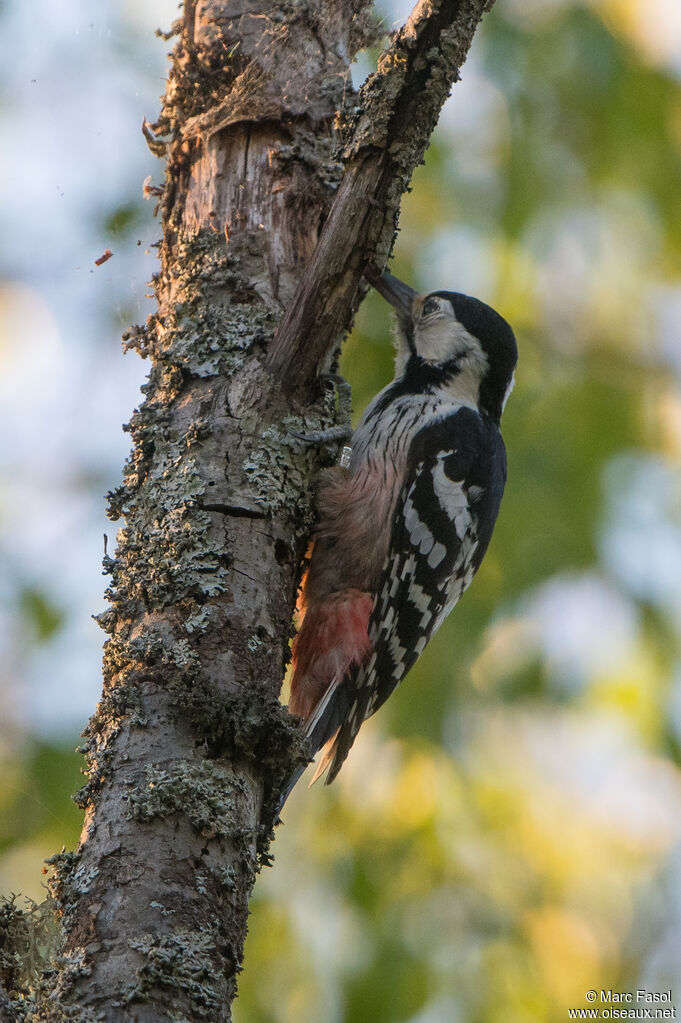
<point x="70" y="879"/>
<point x="199" y="337"/>
<point x="161" y="908"/>
<point x="29" y="941"/>
<point x="182" y="960"/>
<point x="197" y="622"/>
<point x="200" y="791"/>
<point x="227" y="877"/>
<point x="282" y="468"/>
<point x="276" y="475"/>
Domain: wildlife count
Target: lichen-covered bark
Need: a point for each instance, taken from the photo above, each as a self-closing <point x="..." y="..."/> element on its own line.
<point x="190" y="747"/>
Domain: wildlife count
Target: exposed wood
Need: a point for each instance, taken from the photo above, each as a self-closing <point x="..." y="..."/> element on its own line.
<point x="398" y="108"/>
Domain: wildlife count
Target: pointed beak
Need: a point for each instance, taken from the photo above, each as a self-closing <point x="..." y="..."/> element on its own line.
<point x="400" y="295"/>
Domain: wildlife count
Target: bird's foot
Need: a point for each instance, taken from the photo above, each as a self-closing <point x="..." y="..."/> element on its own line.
<point x="331" y="435"/>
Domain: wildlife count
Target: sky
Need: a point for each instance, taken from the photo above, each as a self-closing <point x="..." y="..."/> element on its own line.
<point x="72" y="108"/>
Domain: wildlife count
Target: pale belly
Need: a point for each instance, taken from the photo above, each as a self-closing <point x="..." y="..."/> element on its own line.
<point x="356" y="506"/>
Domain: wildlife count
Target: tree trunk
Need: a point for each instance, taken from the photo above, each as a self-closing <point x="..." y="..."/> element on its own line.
<point x="281" y="184"/>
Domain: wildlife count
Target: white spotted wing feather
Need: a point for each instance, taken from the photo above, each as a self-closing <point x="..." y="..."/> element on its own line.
<point x="442" y="526"/>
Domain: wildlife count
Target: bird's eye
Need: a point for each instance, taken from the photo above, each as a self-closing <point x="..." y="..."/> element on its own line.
<point x="431" y="305"/>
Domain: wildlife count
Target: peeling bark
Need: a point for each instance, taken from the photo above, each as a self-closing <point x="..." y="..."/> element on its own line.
<point x="397" y="110"/>
<point x="280" y="185"/>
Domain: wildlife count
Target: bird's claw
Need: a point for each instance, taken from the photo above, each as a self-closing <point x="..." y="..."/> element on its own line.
<point x="330" y="436"/>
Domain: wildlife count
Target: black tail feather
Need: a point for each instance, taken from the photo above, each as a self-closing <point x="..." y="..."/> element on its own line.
<point x="328" y="723"/>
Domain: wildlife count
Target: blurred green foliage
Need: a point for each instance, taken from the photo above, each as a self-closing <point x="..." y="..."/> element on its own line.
<point x="38" y="815"/>
<point x="124" y="219"/>
<point x="40" y="615"/>
<point x="502" y="838"/>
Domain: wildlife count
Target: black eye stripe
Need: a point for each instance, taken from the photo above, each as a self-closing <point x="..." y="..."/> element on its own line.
<point x="431" y="305"/>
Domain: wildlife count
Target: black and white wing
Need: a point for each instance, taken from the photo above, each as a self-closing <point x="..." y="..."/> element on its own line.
<point x="442" y="526"/>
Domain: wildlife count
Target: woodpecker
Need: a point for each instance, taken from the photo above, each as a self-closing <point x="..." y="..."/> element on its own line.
<point x="404" y="526"/>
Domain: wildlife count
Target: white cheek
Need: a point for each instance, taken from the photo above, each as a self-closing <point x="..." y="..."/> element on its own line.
<point x="442" y="340"/>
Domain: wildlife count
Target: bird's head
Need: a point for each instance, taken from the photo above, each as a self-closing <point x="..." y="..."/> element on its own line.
<point x="451" y="341"/>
